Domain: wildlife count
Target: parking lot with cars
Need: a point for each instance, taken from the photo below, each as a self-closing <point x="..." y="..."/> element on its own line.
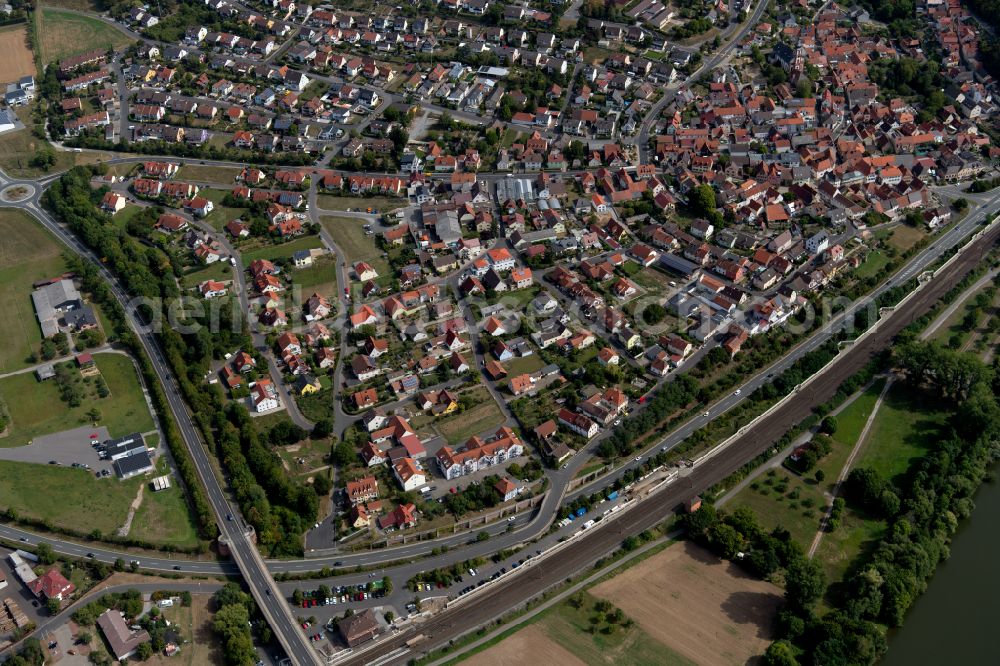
<point x="364" y="593"/>
<point x="71" y="448"/>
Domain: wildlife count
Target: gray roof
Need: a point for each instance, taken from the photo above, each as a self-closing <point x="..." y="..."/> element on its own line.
<point x="447" y="227"/>
<point x="133" y="464"/>
<point x="126" y="446"/>
<point x="677" y="263"/>
<point x="81" y="317"/>
<point x="52" y="298"/>
<point x="122" y="640"/>
<point x="515" y="188"/>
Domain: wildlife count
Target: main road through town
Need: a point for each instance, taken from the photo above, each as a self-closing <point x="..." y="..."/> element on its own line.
<point x="523" y="584"/>
<point x="529" y="526"/>
<point x="246" y="559"/>
<point x="244" y="552"/>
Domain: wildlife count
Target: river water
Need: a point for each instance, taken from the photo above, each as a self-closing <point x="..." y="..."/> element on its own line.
<point x="954" y="621"/>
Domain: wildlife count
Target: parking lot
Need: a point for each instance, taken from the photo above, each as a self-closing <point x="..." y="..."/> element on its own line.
<point x="65" y="448"/>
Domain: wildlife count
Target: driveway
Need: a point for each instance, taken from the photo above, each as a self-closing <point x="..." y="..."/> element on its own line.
<point x="16" y="592"/>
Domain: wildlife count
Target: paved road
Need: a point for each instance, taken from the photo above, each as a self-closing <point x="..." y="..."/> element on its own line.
<point x="116" y="67"/>
<point x="52" y="623"/>
<point x="558" y="478"/>
<point x="245" y="555"/>
<point x="642" y="141"/>
<point x="516" y="589"/>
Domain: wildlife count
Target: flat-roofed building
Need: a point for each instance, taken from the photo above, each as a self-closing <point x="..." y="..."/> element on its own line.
<point x="133" y="465"/>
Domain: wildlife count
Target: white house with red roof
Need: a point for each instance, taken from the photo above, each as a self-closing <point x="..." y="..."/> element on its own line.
<point x="212" y="289"/>
<point x="409" y="473"/>
<point x="263" y="396"/>
<point x="52" y="585"/>
<point x="500" y="259"/>
<point x="112" y="202"/>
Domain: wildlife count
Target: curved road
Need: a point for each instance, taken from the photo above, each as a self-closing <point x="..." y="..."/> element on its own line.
<point x="514" y="590"/>
<point x="542" y="517"/>
<point x="245" y="554"/>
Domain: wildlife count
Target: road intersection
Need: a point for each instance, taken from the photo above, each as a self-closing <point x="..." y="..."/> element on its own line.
<point x="258" y="573"/>
<point x="404" y="561"/>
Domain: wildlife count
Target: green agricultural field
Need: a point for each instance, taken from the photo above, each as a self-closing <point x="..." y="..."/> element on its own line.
<point x="125" y="215"/>
<point x="263" y="424"/>
<point x="63" y="34"/>
<point x="36" y="408"/>
<point x="321" y="276"/>
<point x="564" y="634"/>
<point x="220" y="215"/>
<point x="954" y="326"/>
<point x="316" y="406"/>
<point x="75" y="499"/>
<point x="904" y="429"/>
<point x="201" y="173"/>
<point x="69" y="498"/>
<point x="349" y="235"/>
<point x="872" y="265"/>
<point x="776" y="500"/>
<point x="223" y="215"/>
<point x="570" y="628"/>
<point x="79" y="5"/>
<point x="27" y="253"/>
<point x="851" y="420"/>
<point x="482" y="416"/>
<point x="517" y="299"/>
<point x="381" y="204"/>
<point x="652" y="279"/>
<point x="275" y="251"/>
<point x="219" y="271"/>
<point x="18" y="147"/>
<point x="797" y="503"/>
<point x="904" y="237"/>
<point x="313" y="452"/>
<point x="524" y="365"/>
<point x="163" y="516"/>
<point x="839" y="548"/>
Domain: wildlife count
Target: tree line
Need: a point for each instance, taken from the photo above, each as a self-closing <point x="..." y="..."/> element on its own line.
<point x="231" y="624"/>
<point x="922" y="509"/>
<point x="278" y="507"/>
<point x="737" y="536"/>
<point x="71" y="200"/>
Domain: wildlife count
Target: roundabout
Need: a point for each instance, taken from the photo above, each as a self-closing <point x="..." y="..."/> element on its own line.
<point x="17" y="193"/>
